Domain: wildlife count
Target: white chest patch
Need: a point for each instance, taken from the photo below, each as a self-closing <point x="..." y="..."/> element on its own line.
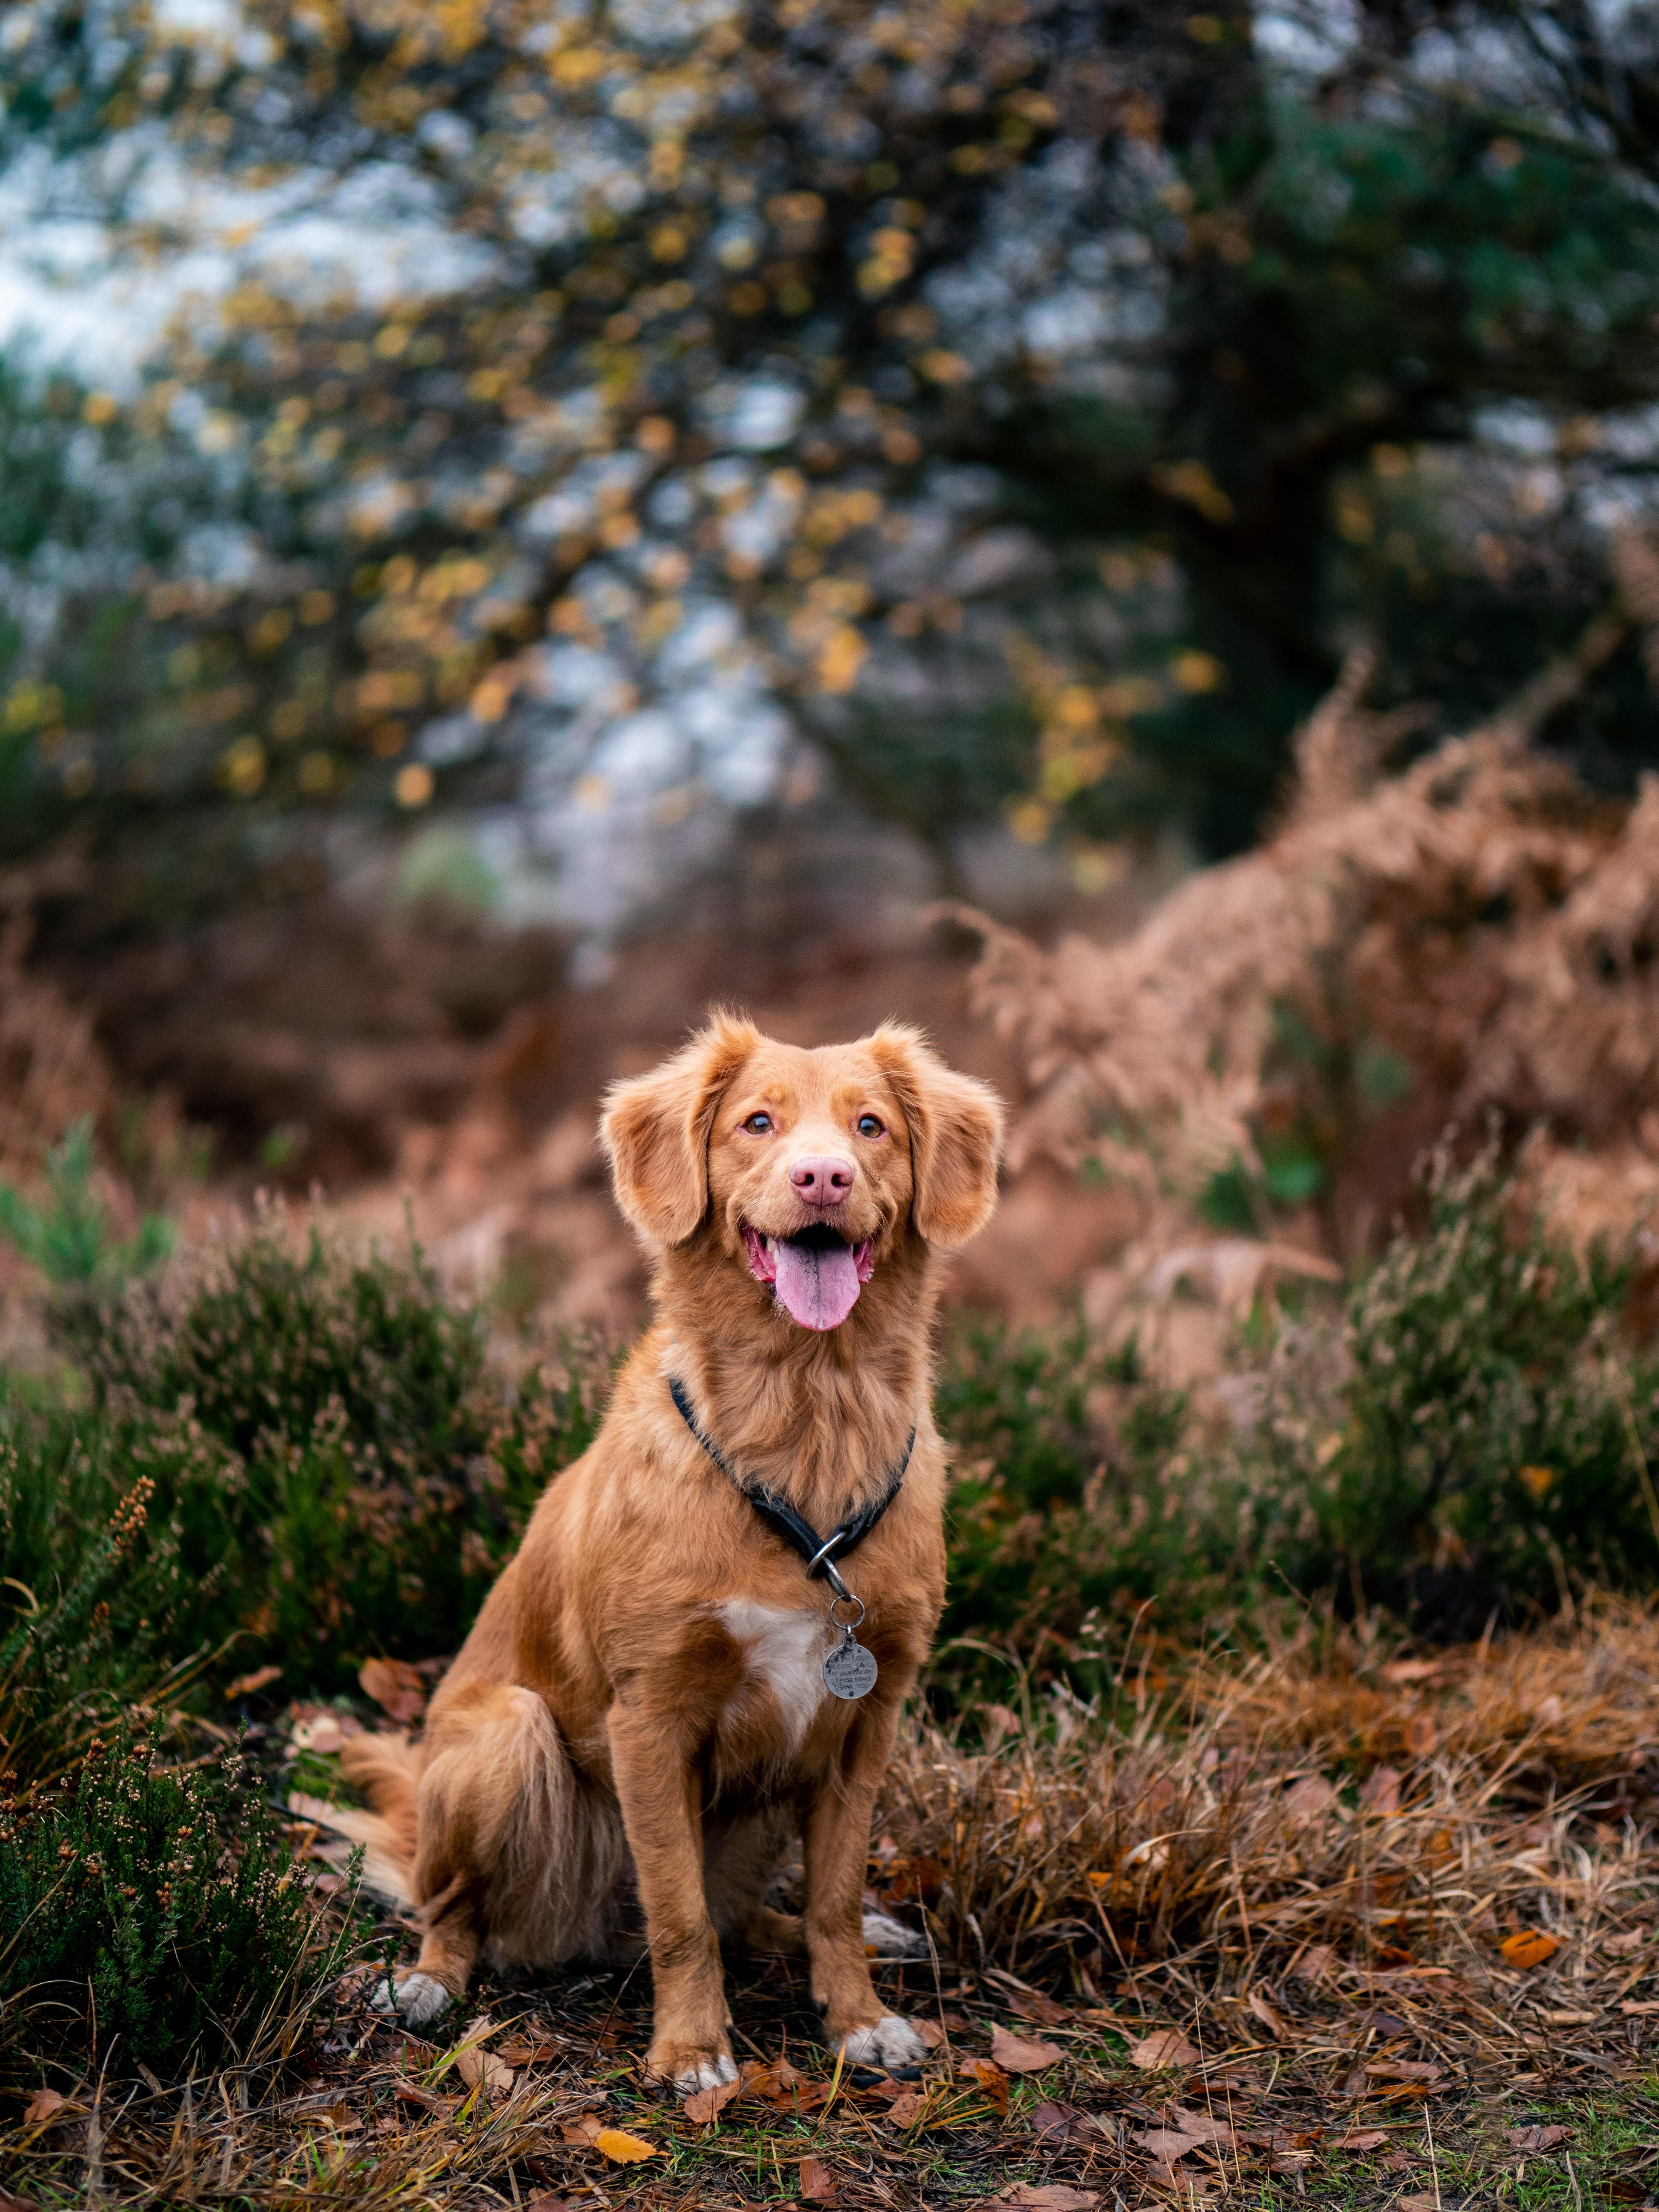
<point x="785" y="1650"/>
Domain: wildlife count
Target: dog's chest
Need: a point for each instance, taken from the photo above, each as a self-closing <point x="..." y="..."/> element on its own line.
<point x="783" y="1651"/>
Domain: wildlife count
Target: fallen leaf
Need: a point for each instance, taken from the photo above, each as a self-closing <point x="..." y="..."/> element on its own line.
<point x="1317" y="1961"/>
<point x="1420" y="2201"/>
<point x="318" y="1732"/>
<point x="523" y="2051"/>
<point x="412" y="2092"/>
<point x="1529" y="1947"/>
<point x="1410" y="1670"/>
<point x="585" y="2129"/>
<point x="545" y="2201"/>
<point x="11" y="2203"/>
<point x="992" y="2080"/>
<point x="42" y="2106"/>
<point x="1272" y="2021"/>
<point x="395" y="1686"/>
<point x="883" y="2092"/>
<point x="1015" y="2054"/>
<point x="903" y="2109"/>
<point x="482" y="2070"/>
<point x="335" y="2116"/>
<point x="623" y="2149"/>
<point x="1164" y="2046"/>
<point x="1630" y="1940"/>
<point x="1380" y="1792"/>
<point x="929" y="2032"/>
<point x="1040" y="2197"/>
<point x="1307" y="1799"/>
<point x="1165" y="2144"/>
<point x="783" y="2086"/>
<point x="818" y="2184"/>
<point x="1058" y="2124"/>
<point x="703" y="2105"/>
<point x="1538" y="2137"/>
<point x="1404" y="2069"/>
<point x="1361" y="2139"/>
<point x="1199" y="2127"/>
<point x="245" y="1685"/>
<point x="1031" y="2004"/>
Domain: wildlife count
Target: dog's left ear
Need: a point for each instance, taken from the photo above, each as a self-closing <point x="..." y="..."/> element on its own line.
<point x="655" y="1129"/>
<point x="955" y="1136"/>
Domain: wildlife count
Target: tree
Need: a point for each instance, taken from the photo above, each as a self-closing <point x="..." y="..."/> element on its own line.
<point x="1026" y="401"/>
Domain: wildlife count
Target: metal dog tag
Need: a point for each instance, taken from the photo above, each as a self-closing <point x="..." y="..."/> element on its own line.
<point x="850" y="1670"/>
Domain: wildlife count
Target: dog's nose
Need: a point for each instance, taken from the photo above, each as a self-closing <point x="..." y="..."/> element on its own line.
<point x="821" y="1180"/>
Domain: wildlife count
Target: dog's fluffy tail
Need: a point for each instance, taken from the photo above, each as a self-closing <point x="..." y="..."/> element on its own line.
<point x="387" y="1768"/>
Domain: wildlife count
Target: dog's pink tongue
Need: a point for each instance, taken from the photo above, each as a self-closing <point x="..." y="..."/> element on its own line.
<point x="819" y="1289"/>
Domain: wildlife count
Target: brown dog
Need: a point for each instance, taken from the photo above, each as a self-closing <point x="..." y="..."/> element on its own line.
<point x="641" y="1717"/>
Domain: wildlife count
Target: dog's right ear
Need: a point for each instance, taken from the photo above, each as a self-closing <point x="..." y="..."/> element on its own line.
<point x="655" y="1129"/>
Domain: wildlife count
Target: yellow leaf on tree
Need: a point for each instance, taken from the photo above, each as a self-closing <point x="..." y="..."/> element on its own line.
<point x="623" y="2149"/>
<point x="1529" y="1947"/>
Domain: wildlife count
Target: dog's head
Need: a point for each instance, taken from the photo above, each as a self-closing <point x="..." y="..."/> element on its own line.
<point x="806" y="1169"/>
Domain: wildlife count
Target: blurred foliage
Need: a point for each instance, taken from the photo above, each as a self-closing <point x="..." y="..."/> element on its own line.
<point x="1032" y="395"/>
<point x="67" y="1238"/>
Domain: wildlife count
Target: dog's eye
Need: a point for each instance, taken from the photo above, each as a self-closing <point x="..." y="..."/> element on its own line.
<point x="759" y="1124"/>
<point x="868" y="1125"/>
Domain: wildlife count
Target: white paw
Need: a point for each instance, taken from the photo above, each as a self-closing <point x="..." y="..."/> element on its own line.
<point x="415" y="1998"/>
<point x="890" y="2042"/>
<point x="891" y="1939"/>
<point x="708" y="2074"/>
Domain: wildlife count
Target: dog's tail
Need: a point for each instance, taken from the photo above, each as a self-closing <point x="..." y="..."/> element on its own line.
<point x="387" y="1768"/>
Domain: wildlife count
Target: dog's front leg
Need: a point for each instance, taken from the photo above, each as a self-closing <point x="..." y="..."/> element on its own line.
<point x="836" y="1836"/>
<point x="660" y="1795"/>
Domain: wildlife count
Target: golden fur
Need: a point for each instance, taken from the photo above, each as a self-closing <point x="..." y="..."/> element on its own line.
<point x="636" y="1727"/>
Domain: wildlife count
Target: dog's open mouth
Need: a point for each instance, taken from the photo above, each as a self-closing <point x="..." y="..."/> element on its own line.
<point x="816" y="1276"/>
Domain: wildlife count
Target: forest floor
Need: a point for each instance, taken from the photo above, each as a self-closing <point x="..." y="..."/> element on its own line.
<point x="1179" y="1957"/>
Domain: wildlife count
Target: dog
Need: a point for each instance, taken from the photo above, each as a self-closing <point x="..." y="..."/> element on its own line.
<point x="642" y="1724"/>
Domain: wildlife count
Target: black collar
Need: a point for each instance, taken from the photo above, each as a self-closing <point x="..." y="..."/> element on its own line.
<point x="820" y="1553"/>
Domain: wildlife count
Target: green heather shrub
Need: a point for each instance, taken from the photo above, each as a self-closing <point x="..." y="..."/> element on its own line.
<point x="336" y="1471"/>
<point x="1470" y="1432"/>
<point x="132" y="1930"/>
<point x="1074" y="1493"/>
<point x="103" y="1589"/>
<point x="1478" y="1433"/>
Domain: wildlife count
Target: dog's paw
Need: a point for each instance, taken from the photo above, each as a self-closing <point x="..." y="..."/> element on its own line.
<point x="890" y="2042"/>
<point x="689" y="2068"/>
<point x="415" y="1998"/>
<point x="891" y="1939"/>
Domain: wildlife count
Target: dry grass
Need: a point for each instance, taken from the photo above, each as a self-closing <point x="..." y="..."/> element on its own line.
<point x="1394" y="1814"/>
<point x="1301" y="1873"/>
